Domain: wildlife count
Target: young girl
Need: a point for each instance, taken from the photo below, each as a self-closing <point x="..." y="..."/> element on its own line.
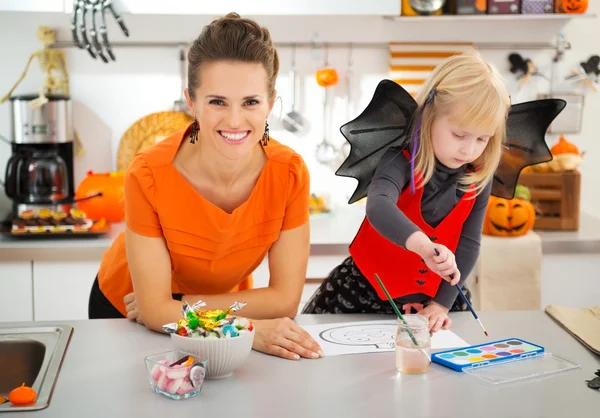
<point x="422" y="229"/>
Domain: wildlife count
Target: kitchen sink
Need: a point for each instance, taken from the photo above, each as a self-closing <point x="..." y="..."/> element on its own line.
<point x="31" y="355"/>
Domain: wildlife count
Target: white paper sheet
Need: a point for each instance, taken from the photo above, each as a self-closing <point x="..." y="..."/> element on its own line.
<point x="370" y="337"/>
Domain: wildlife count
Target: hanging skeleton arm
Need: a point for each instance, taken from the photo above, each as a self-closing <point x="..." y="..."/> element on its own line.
<point x="85" y="16"/>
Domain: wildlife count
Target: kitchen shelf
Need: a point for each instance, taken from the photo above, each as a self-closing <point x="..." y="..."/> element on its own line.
<point x="490" y="18"/>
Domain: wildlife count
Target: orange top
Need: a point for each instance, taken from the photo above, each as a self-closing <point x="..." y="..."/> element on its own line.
<point x="211" y="251"/>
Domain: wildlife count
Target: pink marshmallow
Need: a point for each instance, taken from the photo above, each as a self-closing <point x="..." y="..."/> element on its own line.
<point x="174" y="385"/>
<point x="185" y="387"/>
<point x="178" y="372"/>
<point x="163" y="382"/>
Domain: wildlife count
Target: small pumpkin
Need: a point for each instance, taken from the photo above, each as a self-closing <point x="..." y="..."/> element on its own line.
<point x="23" y="395"/>
<point x="111" y="204"/>
<point x="564" y="147"/>
<point x="510" y="217"/>
<point x="571" y="6"/>
<point x="327" y="77"/>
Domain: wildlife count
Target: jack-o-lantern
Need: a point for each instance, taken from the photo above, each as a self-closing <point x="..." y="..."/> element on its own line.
<point x="571" y="6"/>
<point x="509" y="217"/>
<point x="327" y="77"/>
<point x="111" y="204"/>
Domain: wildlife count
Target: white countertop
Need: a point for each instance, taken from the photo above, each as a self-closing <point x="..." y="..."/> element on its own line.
<point x="330" y="235"/>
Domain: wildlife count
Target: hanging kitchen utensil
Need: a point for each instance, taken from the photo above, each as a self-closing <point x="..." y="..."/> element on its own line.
<point x="181" y="104"/>
<point x="293" y="121"/>
<point x="349" y="109"/>
<point x="154" y="127"/>
<point x="325" y="151"/>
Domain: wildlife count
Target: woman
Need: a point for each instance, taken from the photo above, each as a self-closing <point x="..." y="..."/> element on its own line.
<point x="204" y="206"/>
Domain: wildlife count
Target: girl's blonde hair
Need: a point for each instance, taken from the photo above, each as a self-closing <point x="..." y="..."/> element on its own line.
<point x="473" y="93"/>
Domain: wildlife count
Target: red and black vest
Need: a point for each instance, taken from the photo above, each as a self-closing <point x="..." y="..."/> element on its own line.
<point x="403" y="272"/>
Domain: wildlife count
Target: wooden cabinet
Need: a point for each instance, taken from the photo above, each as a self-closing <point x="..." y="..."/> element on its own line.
<point x="61" y="290"/>
<point x="16" y="289"/>
<point x="55" y="6"/>
<point x="256" y="8"/>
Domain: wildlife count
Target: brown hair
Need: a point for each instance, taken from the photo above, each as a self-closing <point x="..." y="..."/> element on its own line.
<point x="232" y="38"/>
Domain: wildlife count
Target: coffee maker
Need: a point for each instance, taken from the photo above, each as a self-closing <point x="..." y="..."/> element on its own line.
<point x="39" y="173"/>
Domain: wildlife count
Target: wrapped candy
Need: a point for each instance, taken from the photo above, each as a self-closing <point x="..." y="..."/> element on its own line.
<point x="210" y="324"/>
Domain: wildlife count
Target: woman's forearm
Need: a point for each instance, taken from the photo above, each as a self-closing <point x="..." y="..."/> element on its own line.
<point x="261" y="303"/>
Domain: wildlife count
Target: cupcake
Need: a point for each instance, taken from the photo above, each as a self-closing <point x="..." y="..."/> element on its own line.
<point x="27" y="214"/>
<point x="44" y="214"/>
<point x="59" y="215"/>
<point x="77" y="214"/>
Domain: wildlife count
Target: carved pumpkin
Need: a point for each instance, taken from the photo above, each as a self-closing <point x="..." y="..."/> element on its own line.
<point x="564" y="147"/>
<point x="327" y="77"/>
<point x="571" y="6"/>
<point x="510" y="218"/>
<point x="110" y="205"/>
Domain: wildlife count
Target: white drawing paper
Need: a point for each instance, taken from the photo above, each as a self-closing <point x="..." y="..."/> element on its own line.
<point x="370" y="337"/>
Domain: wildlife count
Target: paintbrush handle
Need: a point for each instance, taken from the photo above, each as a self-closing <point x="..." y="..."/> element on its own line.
<point x="398" y="313"/>
<point x="462" y="295"/>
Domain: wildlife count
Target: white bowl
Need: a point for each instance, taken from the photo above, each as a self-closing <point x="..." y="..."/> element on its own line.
<point x="224" y="355"/>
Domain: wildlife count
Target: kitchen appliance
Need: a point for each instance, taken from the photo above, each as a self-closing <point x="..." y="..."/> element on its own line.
<point x="421" y="7"/>
<point x="537" y="6"/>
<point x="39" y="173"/>
<point x="503" y="7"/>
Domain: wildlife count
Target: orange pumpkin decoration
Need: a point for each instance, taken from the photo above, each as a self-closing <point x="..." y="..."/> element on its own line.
<point x="564" y="147"/>
<point x="510" y="218"/>
<point x="571" y="6"/>
<point x="110" y="205"/>
<point x="327" y="77"/>
<point x="23" y="395"/>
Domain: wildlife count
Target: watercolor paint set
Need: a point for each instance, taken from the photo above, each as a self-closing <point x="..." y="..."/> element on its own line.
<point x="504" y="361"/>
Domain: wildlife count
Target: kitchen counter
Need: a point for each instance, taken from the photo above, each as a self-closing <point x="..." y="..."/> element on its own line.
<point x="330" y="236"/>
<point x="103" y="375"/>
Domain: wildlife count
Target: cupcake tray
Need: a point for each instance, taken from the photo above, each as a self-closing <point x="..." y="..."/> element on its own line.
<point x="65" y="225"/>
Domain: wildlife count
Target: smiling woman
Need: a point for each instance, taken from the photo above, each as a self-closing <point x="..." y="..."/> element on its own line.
<point x="205" y="206"/>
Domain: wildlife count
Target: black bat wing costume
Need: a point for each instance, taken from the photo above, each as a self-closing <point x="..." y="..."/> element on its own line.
<point x="386" y="122"/>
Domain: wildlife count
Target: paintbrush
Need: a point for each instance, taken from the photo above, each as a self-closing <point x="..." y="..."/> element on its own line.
<point x="412" y="336"/>
<point x="462" y="295"/>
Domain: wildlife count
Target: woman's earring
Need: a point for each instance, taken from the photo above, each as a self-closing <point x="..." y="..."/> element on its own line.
<point x="265" y="137"/>
<point x="194" y="132"/>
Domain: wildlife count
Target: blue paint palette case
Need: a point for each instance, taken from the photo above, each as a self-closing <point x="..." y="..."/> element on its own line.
<point x="487" y="354"/>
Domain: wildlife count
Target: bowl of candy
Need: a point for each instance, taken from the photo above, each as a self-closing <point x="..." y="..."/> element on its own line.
<point x="217" y="336"/>
<point x="176" y="374"/>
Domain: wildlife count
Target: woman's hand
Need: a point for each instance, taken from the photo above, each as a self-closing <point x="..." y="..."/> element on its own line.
<point x="284" y="338"/>
<point x="437" y="315"/>
<point x="131" y="306"/>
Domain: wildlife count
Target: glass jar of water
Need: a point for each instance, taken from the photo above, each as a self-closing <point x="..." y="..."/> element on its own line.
<point x="409" y="358"/>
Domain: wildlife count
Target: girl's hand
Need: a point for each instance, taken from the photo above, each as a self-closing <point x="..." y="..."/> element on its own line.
<point x="284" y="338"/>
<point x="437" y="315"/>
<point x="443" y="264"/>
